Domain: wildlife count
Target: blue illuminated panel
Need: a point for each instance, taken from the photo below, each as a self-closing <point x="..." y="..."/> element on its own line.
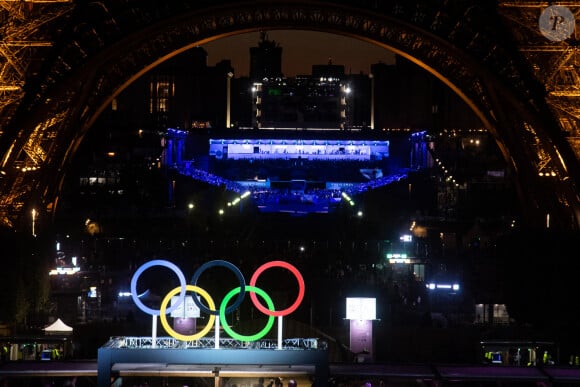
<point x="273" y="149"/>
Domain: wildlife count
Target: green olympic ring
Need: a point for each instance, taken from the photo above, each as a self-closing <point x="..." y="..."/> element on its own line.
<point x="236" y="335"/>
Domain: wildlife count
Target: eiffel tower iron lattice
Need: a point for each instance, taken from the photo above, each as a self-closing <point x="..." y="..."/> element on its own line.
<point x="516" y="66"/>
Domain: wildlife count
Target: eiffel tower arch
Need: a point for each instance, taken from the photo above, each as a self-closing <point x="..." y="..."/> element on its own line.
<point x="58" y="77"/>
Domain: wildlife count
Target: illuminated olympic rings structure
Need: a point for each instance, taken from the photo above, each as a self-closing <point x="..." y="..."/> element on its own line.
<point x="224" y="309"/>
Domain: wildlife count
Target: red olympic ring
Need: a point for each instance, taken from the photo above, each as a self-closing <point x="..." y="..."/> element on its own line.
<point x="284" y="265"/>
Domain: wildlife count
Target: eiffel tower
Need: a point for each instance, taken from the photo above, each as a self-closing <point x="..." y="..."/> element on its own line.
<point x="45" y="43"/>
<point x="548" y="40"/>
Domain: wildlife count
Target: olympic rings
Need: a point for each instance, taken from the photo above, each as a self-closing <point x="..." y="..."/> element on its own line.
<point x="294" y="271"/>
<point x="236" y="335"/>
<point x="223" y="310"/>
<point x="170" y="330"/>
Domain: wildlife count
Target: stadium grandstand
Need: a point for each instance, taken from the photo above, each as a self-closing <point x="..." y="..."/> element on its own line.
<point x="286" y="172"/>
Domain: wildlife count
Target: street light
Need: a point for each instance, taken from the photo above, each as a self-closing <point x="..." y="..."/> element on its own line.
<point x="345" y="113"/>
<point x="33" y="222"/>
<point x="228" y="98"/>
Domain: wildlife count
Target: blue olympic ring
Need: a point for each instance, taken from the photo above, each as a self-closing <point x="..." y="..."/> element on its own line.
<point x="147" y="265"/>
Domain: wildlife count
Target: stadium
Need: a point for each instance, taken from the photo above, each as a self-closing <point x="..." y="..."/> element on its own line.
<point x="294" y="172"/>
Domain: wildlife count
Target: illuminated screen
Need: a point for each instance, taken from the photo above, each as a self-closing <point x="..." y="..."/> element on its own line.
<point x="361" y="308"/>
<point x="46" y="355"/>
<point x="305" y="149"/>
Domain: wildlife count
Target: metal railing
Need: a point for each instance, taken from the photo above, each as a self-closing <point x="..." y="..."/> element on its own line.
<point x="209" y="342"/>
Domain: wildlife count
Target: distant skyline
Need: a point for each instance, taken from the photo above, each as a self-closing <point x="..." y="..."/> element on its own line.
<point x="300" y="50"/>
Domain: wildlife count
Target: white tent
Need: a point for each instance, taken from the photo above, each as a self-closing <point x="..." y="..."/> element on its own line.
<point x="58" y="328"/>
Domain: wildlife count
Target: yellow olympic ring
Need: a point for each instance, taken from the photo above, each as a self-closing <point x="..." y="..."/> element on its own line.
<point x="170" y="330"/>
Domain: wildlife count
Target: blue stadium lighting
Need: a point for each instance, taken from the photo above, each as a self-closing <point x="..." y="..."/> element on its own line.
<point x="263" y="186"/>
<point x="179" y="132"/>
<point x="363" y="165"/>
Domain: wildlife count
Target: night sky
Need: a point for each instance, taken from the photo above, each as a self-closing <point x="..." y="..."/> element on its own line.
<point x="301" y="49"/>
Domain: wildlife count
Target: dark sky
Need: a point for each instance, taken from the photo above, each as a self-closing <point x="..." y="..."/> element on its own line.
<point x="300" y="50"/>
